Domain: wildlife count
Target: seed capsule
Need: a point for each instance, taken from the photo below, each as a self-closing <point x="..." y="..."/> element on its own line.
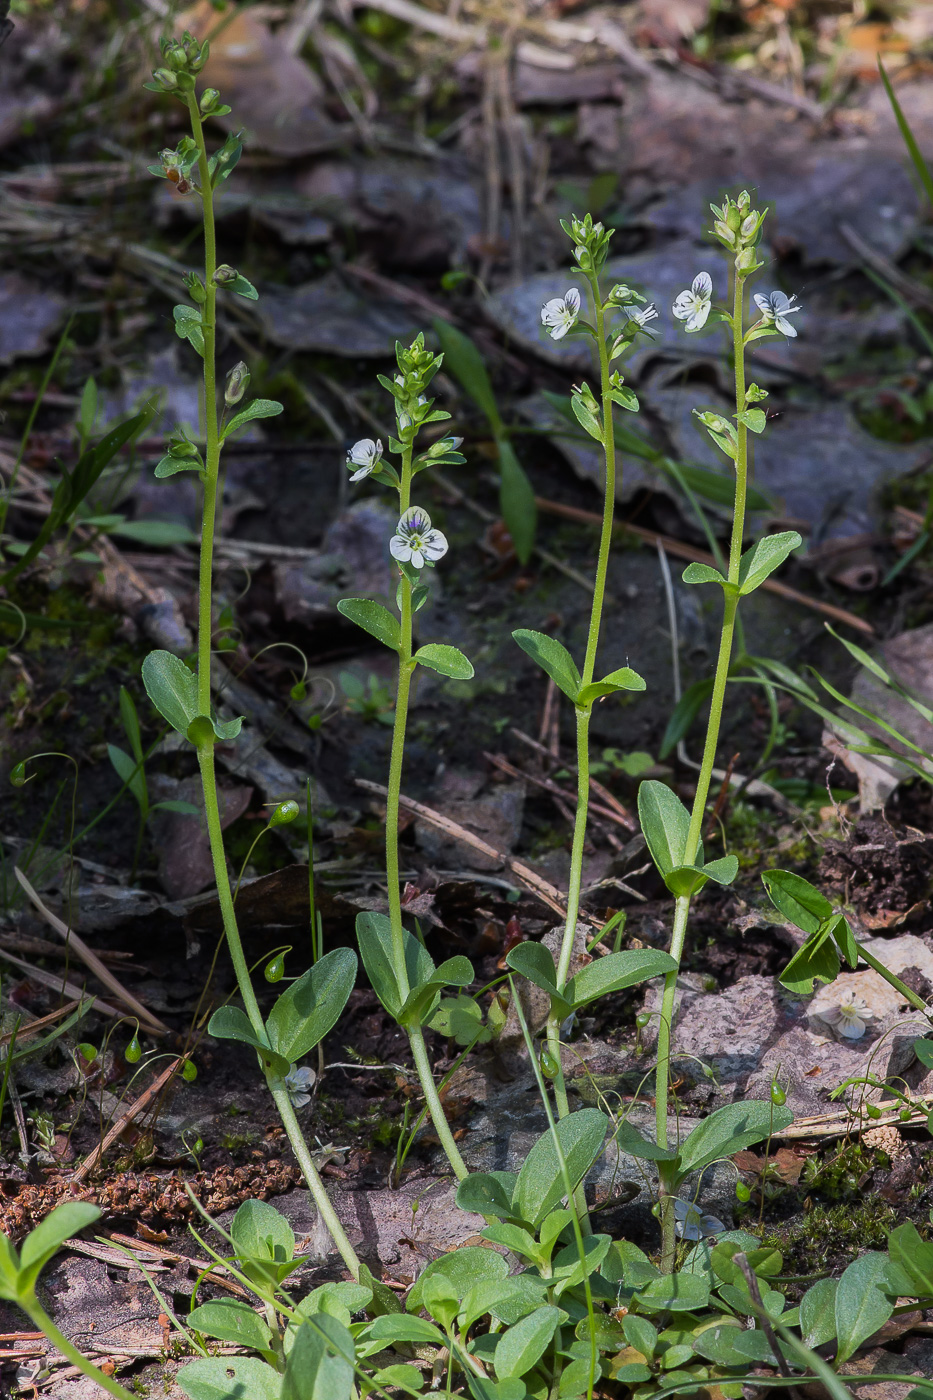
<point x="18" y="775"/>
<point x="275" y="968"/>
<point x="133" y="1051"/>
<point x="778" y="1095"/>
<point x="549" y="1066"/>
<point x="189" y="1071"/>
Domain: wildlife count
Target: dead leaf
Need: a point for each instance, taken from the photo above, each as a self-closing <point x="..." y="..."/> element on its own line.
<point x="276" y="98"/>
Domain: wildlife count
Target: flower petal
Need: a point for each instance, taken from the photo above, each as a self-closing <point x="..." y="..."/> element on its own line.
<point x="572" y="300"/>
<point x="702" y="285"/>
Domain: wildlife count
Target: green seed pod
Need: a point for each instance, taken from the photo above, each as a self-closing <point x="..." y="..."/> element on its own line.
<point x="298" y="691"/>
<point x="275" y="968"/>
<point x="642" y="1019"/>
<point x="873" y="1110"/>
<point x="237" y="384"/>
<point x="189" y="1071"/>
<point x="133" y="1051"/>
<point x="742" y="1192"/>
<point x="87" y="1052"/>
<point x="549" y="1065"/>
<point x="778" y="1095"/>
<point x="904" y="1115"/>
<point x="18" y="775"/>
<point x="182" y="448"/>
<point x="285" y="812"/>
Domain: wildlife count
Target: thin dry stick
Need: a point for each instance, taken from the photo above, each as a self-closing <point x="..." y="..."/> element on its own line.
<point x="47" y="979"/>
<point x="134" y="1110"/>
<point x="686" y="551"/>
<point x="34" y="1027"/>
<point x="624" y="816"/>
<point x="765" y="1320"/>
<point x="558" y="793"/>
<point x="91" y="960"/>
<point x="545" y="891"/>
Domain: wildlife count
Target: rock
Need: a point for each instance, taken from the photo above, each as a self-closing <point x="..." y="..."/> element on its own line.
<point x="185" y="865"/>
<point x="510" y="1048"/>
<point x="29" y="316"/>
<point x="332" y="318"/>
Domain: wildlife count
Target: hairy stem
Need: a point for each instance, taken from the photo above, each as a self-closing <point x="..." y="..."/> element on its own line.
<point x="714" y="723"/>
<point x="415" y="1034"/>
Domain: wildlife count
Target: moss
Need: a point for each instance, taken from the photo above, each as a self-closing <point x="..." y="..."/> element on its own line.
<point x="828" y="1239"/>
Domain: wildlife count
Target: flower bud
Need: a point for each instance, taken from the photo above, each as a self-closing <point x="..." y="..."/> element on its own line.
<point x="176" y="57"/>
<point x="18" y="775"/>
<point x="225" y="275"/>
<point x="200" y="57"/>
<point x="724" y="232"/>
<point x="167" y="79"/>
<point x="733" y="218"/>
<point x="746" y="261"/>
<point x="237" y="384"/>
<point x="743" y="203"/>
<point x="749" y="225"/>
<point x="285" y="812"/>
<point x="181" y="447"/>
<point x="195" y="288"/>
<point x="208" y="97"/>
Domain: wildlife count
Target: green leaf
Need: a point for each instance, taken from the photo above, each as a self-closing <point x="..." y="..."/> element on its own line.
<point x="540" y="1184"/>
<point x="801" y="904"/>
<point x="764" y="557"/>
<point x="243" y="288"/>
<point x="586" y="418"/>
<point x="754" y="419"/>
<point x="487" y="1193"/>
<point x="188" y="326"/>
<point x="861" y="1306"/>
<point x="320" y="1363"/>
<point x="535" y="962"/>
<point x="816" y="961"/>
<point x="374" y="619"/>
<point x="704" y="573"/>
<point x="42" y="1243"/>
<point x="464" y="362"/>
<point x="722" y="871"/>
<point x="715" y="486"/>
<point x="232" y="1023"/>
<point x="419" y="1005"/>
<point x="261" y="1234"/>
<point x="159" y="533"/>
<point x="729" y="1130"/>
<point x="630" y="1140"/>
<point x="818" y="1313"/>
<point x="913" y="150"/>
<point x="914" y="1255"/>
<point x="680" y="1292"/>
<point x="229" y="1320"/>
<point x="622" y="679"/>
<point x="230" y="1378"/>
<point x="463" y="1268"/>
<point x="507" y="1300"/>
<point x="516" y="501"/>
<point x="172" y="688"/>
<point x="731" y="1345"/>
<point x="259" y="408"/>
<point x="130" y="720"/>
<point x="626" y="398"/>
<point x="613" y="973"/>
<point x="553" y="658"/>
<point x="522" y="1345"/>
<point x="374" y="935"/>
<point x="402" y="1327"/>
<point x="130" y="773"/>
<point x="665" y="824"/>
<point x="171" y="466"/>
<point x="310" y="1006"/>
<point x="447" y="660"/>
<point x="923" y="1049"/>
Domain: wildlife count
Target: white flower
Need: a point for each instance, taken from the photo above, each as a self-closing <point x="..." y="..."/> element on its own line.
<point x="366" y="455"/>
<point x="650" y="313"/>
<point x="560" y="313"/>
<point x="415" y="541"/>
<point x="691" y="1224"/>
<point x="299" y="1083"/>
<point x="777" y="307"/>
<point x="693" y="306"/>
<point x="850" y="1018"/>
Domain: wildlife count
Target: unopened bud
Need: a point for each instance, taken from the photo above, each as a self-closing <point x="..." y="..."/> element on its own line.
<point x="237" y="384"/>
<point x="743" y="203"/>
<point x="183" y="448"/>
<point x="746" y="260"/>
<point x="166" y="78"/>
<point x="208" y="97"/>
<point x="285" y="812"/>
<point x="176" y="57"/>
<point x="225" y="276"/>
<point x="749" y="225"/>
<point x="724" y="232"/>
<point x="733" y="217"/>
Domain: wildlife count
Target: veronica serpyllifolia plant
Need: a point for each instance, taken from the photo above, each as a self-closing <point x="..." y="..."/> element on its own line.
<point x="310" y="1006"/>
<point x="400" y="968"/>
<point x="673" y="834"/>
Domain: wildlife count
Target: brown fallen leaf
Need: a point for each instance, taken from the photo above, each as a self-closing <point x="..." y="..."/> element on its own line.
<point x="277" y="100"/>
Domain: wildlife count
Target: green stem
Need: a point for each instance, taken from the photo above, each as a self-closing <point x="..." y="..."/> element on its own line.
<point x="40" y="1318"/>
<point x="206" y="750"/>
<point x="315" y="1185"/>
<point x="211" y="426"/>
<point x="695" y="832"/>
<point x="415" y="1034"/>
<point x="912" y="998"/>
<point x="584" y="713"/>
